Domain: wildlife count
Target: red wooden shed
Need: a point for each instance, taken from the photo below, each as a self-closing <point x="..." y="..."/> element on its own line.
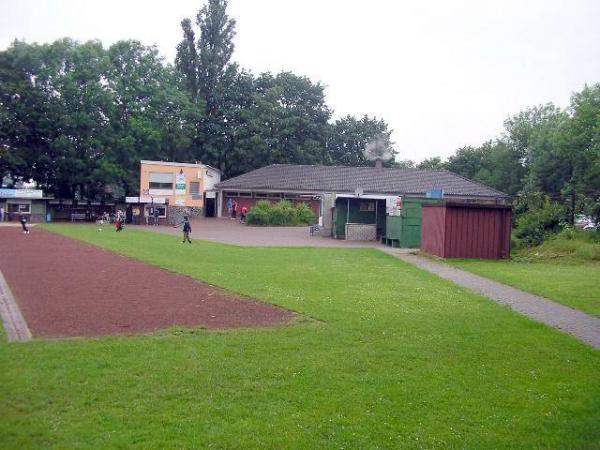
<point x="462" y="230"/>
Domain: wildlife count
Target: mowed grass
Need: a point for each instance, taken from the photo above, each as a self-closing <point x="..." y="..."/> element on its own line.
<point x="397" y="359"/>
<point x="573" y="283"/>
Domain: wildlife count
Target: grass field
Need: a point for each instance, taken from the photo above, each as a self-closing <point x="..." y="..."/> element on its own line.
<point x="574" y="284"/>
<point x="397" y="359"/>
<point x="565" y="268"/>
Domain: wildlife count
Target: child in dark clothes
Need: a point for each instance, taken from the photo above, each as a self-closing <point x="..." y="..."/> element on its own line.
<point x="187" y="229"/>
<point x="23" y="221"/>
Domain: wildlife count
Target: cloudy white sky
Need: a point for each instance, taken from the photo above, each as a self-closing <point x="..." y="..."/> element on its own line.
<point x="443" y="74"/>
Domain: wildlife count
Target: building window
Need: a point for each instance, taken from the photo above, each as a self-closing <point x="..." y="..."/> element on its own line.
<point x="231" y="194"/>
<point x="161" y="180"/>
<point x="195" y="190"/>
<point x="157" y="185"/>
<point x="261" y="195"/>
<point x="367" y="206"/>
<point x="19" y="208"/>
<point x="162" y="211"/>
<point x="245" y="194"/>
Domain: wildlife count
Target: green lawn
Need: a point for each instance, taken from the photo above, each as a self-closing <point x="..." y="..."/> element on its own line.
<point x="398" y="359"/>
<point x="574" y="283"/>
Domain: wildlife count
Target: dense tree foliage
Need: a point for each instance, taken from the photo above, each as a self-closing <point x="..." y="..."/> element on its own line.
<point x="545" y="155"/>
<point x="76" y="118"/>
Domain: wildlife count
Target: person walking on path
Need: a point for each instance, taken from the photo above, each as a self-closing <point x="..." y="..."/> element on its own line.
<point x="230" y="208"/>
<point x="187" y="229"/>
<point x="1" y="214"/>
<point x="234" y="210"/>
<point x="23" y="221"/>
<point x="243" y="213"/>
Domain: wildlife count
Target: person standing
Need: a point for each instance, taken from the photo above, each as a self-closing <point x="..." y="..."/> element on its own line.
<point x="23" y="221"/>
<point x="119" y="222"/>
<point x="156" y="216"/>
<point x="243" y="213"/>
<point x="230" y="208"/>
<point x="187" y="229"/>
<point x="1" y="213"/>
<point x="136" y="215"/>
<point x="234" y="210"/>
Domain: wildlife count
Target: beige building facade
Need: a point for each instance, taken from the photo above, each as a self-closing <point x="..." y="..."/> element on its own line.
<point x="180" y="184"/>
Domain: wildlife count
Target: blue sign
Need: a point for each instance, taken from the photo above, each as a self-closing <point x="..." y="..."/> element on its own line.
<point x="20" y="193"/>
<point x="435" y="193"/>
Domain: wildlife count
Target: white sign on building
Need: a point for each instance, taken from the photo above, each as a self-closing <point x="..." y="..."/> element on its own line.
<point x="180" y="184"/>
<point x="393" y="206"/>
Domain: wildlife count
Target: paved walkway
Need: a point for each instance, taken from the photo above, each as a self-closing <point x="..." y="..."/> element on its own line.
<point x="577" y="323"/>
<point x="14" y="323"/>
<point x="227" y="231"/>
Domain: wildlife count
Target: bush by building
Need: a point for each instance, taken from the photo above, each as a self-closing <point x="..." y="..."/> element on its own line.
<point x="283" y="213"/>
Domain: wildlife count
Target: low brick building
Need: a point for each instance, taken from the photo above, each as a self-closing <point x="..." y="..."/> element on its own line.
<point x="375" y="202"/>
<point x="30" y="203"/>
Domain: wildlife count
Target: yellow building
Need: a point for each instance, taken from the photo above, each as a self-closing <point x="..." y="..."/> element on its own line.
<point x="179" y="184"/>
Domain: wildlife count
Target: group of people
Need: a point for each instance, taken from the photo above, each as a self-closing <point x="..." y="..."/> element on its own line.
<point x="232" y="208"/>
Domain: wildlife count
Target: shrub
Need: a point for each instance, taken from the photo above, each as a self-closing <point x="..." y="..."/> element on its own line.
<point x="280" y="214"/>
<point x="259" y="215"/>
<point x="305" y="214"/>
<point x="537" y="224"/>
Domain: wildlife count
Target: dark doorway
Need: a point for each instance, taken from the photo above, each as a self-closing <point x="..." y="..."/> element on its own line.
<point x="209" y="206"/>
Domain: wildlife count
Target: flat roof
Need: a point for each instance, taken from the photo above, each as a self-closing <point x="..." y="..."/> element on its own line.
<point x="178" y="164"/>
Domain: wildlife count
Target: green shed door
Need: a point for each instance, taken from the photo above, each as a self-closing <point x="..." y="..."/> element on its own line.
<point x="411" y="225"/>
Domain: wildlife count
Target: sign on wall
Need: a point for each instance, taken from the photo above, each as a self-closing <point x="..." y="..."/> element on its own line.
<point x="180" y="183"/>
<point x="435" y="193"/>
<point x="21" y="193"/>
<point x="393" y="206"/>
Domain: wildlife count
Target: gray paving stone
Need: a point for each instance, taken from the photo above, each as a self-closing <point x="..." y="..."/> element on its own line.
<point x="576" y="323"/>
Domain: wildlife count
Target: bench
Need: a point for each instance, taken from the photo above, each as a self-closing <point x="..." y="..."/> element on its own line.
<point x="391" y="242"/>
<point x="77" y="216"/>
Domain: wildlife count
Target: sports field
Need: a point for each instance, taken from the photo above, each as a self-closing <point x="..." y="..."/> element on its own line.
<point x="389" y="356"/>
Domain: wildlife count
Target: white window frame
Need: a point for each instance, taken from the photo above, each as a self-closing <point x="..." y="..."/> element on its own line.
<point x="19" y="205"/>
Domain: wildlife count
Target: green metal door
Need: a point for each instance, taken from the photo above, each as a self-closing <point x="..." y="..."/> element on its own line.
<point x="411" y="225"/>
<point x="406" y="228"/>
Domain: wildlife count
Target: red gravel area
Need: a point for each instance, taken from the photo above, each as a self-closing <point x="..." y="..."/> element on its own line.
<point x="67" y="288"/>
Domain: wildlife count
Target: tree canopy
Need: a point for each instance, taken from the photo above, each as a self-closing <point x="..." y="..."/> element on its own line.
<point x="544" y="151"/>
<point x="76" y="118"/>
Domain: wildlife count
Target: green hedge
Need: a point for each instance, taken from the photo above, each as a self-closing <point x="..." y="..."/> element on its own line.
<point x="280" y="214"/>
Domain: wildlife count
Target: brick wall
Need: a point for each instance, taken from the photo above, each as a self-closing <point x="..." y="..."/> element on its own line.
<point x="361" y="232"/>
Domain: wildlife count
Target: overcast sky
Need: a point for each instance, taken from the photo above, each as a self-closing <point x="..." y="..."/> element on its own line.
<point x="443" y="74"/>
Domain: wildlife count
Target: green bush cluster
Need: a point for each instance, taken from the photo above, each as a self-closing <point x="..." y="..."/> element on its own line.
<point x="280" y="214"/>
<point x="569" y="244"/>
<point x="537" y="224"/>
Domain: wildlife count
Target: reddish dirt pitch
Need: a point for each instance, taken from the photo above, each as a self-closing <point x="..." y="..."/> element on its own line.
<point x="67" y="288"/>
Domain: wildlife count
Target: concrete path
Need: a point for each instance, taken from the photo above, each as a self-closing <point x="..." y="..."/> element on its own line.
<point x="14" y="323"/>
<point x="576" y="323"/>
<point x="232" y="232"/>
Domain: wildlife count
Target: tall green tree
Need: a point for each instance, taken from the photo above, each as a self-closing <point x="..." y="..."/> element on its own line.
<point x="349" y="136"/>
<point x="434" y="163"/>
<point x="186" y="59"/>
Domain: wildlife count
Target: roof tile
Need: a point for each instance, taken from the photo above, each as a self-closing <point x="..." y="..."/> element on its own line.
<point x="340" y="179"/>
